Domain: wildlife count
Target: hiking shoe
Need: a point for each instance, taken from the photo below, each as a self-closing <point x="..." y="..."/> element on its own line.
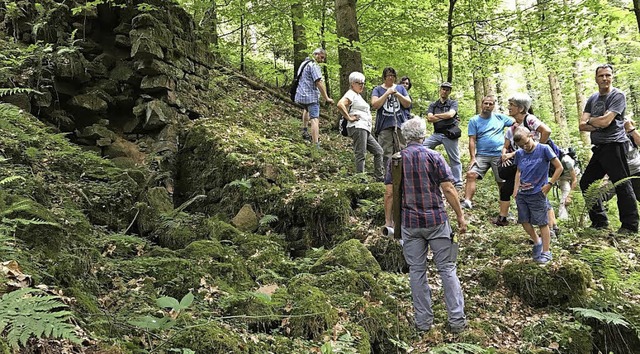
<point x="501" y="221"/>
<point x="556" y="230"/>
<point x="306" y="135"/>
<point x="536" y="251"/>
<point x="466" y="204"/>
<point x="552" y="233"/>
<point x="625" y="231"/>
<point x="457" y="329"/>
<point x="544" y="257"/>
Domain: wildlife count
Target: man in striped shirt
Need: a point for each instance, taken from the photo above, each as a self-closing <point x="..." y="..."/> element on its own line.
<point x="425" y="177"/>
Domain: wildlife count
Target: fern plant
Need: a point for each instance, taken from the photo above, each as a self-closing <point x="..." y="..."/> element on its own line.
<point x="610" y="318"/>
<point x="27" y="313"/>
<point x="458" y="348"/>
<point x="15" y="90"/>
<point x="600" y="190"/>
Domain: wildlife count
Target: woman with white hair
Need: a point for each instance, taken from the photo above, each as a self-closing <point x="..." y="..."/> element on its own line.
<point x="358" y="113"/>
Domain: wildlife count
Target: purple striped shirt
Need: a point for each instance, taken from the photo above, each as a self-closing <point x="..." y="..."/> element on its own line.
<point x="423" y="172"/>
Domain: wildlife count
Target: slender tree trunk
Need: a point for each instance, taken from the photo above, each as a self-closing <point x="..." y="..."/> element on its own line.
<point x="498" y="93"/>
<point x="636" y="10"/>
<point x="478" y="92"/>
<point x="580" y="101"/>
<point x="487" y="85"/>
<point x="299" y="36"/>
<point x="558" y="107"/>
<point x="452" y="4"/>
<point x="242" y="44"/>
<point x="348" y="54"/>
<point x="325" y="69"/>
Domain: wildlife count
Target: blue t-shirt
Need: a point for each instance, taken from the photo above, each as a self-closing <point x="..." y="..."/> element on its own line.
<point x="391" y="110"/>
<point x="489" y="133"/>
<point x="597" y="105"/>
<point x="534" y="168"/>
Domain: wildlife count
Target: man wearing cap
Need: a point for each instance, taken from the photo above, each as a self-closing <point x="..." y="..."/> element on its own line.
<point x="443" y="113"/>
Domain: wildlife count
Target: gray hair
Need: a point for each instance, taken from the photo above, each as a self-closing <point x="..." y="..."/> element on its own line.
<point x="520" y="133"/>
<point x="320" y="51"/>
<point x="356" y="77"/>
<point x="414" y="129"/>
<point x="521" y="100"/>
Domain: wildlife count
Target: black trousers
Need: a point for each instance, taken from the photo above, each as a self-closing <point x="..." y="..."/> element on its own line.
<point x="610" y="159"/>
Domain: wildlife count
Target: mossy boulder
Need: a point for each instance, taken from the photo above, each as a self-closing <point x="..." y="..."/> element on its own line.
<point x="570" y="336"/>
<point x="563" y="282"/>
<point x="255" y="309"/>
<point x="489" y="277"/>
<point x="178" y="230"/>
<point x="351" y="254"/>
<point x="174" y="276"/>
<point x="351" y="337"/>
<point x="221" y="262"/>
<point x="124" y="246"/>
<point x="341" y="281"/>
<point x="311" y="312"/>
<point x="211" y="337"/>
<point x="388" y="252"/>
<point x="246" y="219"/>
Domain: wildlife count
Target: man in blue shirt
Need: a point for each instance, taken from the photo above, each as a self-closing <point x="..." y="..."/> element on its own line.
<point x="443" y="113"/>
<point x="603" y="116"/>
<point x="486" y="138"/>
<point x="425" y="225"/>
<point x="310" y="87"/>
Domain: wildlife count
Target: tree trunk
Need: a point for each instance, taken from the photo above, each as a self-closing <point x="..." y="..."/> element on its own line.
<point x="210" y="23"/>
<point x="348" y="55"/>
<point x="242" y="44"/>
<point x="325" y="69"/>
<point x="580" y="102"/>
<point x="498" y="93"/>
<point x="487" y="86"/>
<point x="299" y="36"/>
<point x="452" y="4"/>
<point x="636" y="10"/>
<point x="558" y="108"/>
<point x="478" y="92"/>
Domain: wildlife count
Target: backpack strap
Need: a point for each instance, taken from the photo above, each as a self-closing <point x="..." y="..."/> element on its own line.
<point x="301" y="70"/>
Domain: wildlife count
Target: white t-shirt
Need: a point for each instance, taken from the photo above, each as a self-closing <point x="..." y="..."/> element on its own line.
<point x="361" y="108"/>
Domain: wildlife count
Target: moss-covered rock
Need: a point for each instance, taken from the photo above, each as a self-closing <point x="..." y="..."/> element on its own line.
<point x="211" y="337"/>
<point x="124" y="246"/>
<point x="255" y="309"/>
<point x="571" y="337"/>
<point x="351" y="254"/>
<point x="341" y="281"/>
<point x="388" y="252"/>
<point x="311" y="312"/>
<point x="180" y="229"/>
<point x="489" y="277"/>
<point x="154" y="203"/>
<point x="246" y="219"/>
<point x="563" y="282"/>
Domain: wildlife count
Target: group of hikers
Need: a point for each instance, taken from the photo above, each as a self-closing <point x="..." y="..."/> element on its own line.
<point x="525" y="161"/>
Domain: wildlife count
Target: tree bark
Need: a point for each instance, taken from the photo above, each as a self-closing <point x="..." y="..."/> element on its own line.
<point x="478" y="92"/>
<point x="558" y="108"/>
<point x="299" y="36"/>
<point x="636" y="10"/>
<point x="325" y="69"/>
<point x="487" y="86"/>
<point x="452" y="4"/>
<point x="348" y="54"/>
<point x="580" y="101"/>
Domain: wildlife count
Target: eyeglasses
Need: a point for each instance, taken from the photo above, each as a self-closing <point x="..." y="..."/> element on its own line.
<point x="446" y="88"/>
<point x="359" y="83"/>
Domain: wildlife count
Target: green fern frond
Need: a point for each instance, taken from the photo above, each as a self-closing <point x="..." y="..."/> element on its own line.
<point x="16" y="90"/>
<point x="10" y="178"/>
<point x="243" y="183"/>
<point x="268" y="219"/>
<point x="27" y="313"/>
<point x="610" y="318"/>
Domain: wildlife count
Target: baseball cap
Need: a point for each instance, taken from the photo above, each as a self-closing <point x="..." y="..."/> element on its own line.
<point x="446" y="84"/>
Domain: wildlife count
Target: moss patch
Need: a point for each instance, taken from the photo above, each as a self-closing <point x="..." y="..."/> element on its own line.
<point x="563" y="282"/>
<point x="351" y="254"/>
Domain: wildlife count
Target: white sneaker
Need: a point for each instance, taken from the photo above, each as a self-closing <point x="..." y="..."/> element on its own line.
<point x="466" y="204"/>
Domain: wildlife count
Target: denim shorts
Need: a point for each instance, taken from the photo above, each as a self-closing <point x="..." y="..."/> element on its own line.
<point x="313" y="109"/>
<point x="532" y="208"/>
